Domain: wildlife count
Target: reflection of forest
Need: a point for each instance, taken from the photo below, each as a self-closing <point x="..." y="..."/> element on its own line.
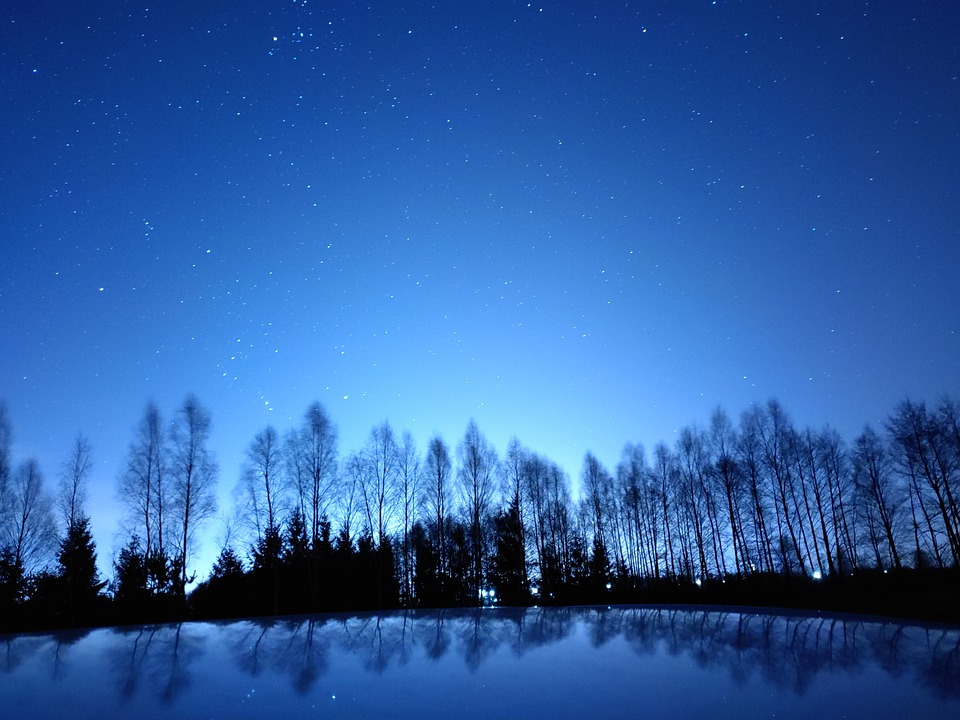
<point x="790" y="651"/>
<point x="785" y="651"/>
<point x="158" y="656"/>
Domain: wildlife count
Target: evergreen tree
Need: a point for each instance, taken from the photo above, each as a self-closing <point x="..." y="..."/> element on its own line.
<point x="298" y="567"/>
<point x="509" y="572"/>
<point x="77" y="571"/>
<point x="228" y="565"/>
<point x="265" y="572"/>
<point x="228" y="591"/>
<point x="599" y="567"/>
<point x="267" y="551"/>
<point x="130" y="581"/>
<point x="12" y="581"/>
<point x="426" y="581"/>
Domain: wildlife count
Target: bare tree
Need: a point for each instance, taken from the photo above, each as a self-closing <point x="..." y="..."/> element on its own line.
<point x="312" y="458"/>
<point x="728" y="477"/>
<point x="437" y="491"/>
<point x="882" y="499"/>
<point x="513" y="463"/>
<point x="774" y="431"/>
<point x="548" y="520"/>
<point x="749" y="454"/>
<point x="922" y="447"/>
<point x="143" y="487"/>
<point x="262" y="483"/>
<point x="597" y="485"/>
<point x="6" y="442"/>
<point x="665" y="478"/>
<point x="73" y="482"/>
<point x="194" y="473"/>
<point x="477" y="474"/>
<point x="29" y="532"/>
<point x="802" y="457"/>
<point x="697" y="470"/>
<point x="834" y="461"/>
<point x="350" y="496"/>
<point x="639" y="513"/>
<point x="379" y="480"/>
<point x="947" y="421"/>
<point x="560" y="522"/>
<point x="535" y="470"/>
<point x="409" y="476"/>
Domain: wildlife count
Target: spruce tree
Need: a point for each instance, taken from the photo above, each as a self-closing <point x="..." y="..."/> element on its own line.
<point x="78" y="571"/>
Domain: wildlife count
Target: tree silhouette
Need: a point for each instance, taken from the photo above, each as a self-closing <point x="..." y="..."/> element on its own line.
<point x="78" y="572"/>
<point x="12" y="581"/>
<point x="143" y="487"/>
<point x="509" y="563"/>
<point x="759" y="513"/>
<point x="194" y="474"/>
<point x="477" y="470"/>
<point x="130" y="590"/>
<point x="29" y="530"/>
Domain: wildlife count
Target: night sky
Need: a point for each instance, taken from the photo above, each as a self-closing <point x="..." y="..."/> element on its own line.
<point x="578" y="223"/>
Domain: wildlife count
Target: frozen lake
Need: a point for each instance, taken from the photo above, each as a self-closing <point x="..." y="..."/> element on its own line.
<point x="491" y="663"/>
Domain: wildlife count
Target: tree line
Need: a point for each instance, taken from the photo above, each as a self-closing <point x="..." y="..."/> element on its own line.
<point x="393" y="525"/>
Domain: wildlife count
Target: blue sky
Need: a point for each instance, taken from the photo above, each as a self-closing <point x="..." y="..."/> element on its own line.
<point x="583" y="226"/>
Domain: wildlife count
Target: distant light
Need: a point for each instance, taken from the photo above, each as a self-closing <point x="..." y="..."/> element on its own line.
<point x="609" y="586"/>
<point x="699" y="582"/>
<point x="817" y="575"/>
<point x="534" y="590"/>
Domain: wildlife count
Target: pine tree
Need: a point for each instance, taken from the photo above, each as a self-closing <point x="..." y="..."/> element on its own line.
<point x="228" y="564"/>
<point x="509" y="573"/>
<point x="130" y="584"/>
<point x="12" y="580"/>
<point x="78" y="571"/>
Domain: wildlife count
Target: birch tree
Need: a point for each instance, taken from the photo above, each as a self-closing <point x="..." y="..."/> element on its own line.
<point x="477" y="474"/>
<point x="379" y="481"/>
<point x="194" y="479"/>
<point x="437" y="499"/>
<point x="144" y="487"/>
<point x="29" y="534"/>
<point x="263" y="489"/>
<point x="74" y="475"/>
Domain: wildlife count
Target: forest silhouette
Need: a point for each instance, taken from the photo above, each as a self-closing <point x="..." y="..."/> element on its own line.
<point x="758" y="512"/>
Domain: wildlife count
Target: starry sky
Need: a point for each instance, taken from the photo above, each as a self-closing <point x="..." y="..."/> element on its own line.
<point x="578" y="223"/>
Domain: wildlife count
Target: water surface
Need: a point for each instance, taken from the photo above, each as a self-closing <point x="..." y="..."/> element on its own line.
<point x="492" y="663"/>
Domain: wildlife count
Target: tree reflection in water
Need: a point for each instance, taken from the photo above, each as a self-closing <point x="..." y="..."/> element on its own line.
<point x="159" y="662"/>
<point x="787" y="651"/>
<point x="159" y="655"/>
